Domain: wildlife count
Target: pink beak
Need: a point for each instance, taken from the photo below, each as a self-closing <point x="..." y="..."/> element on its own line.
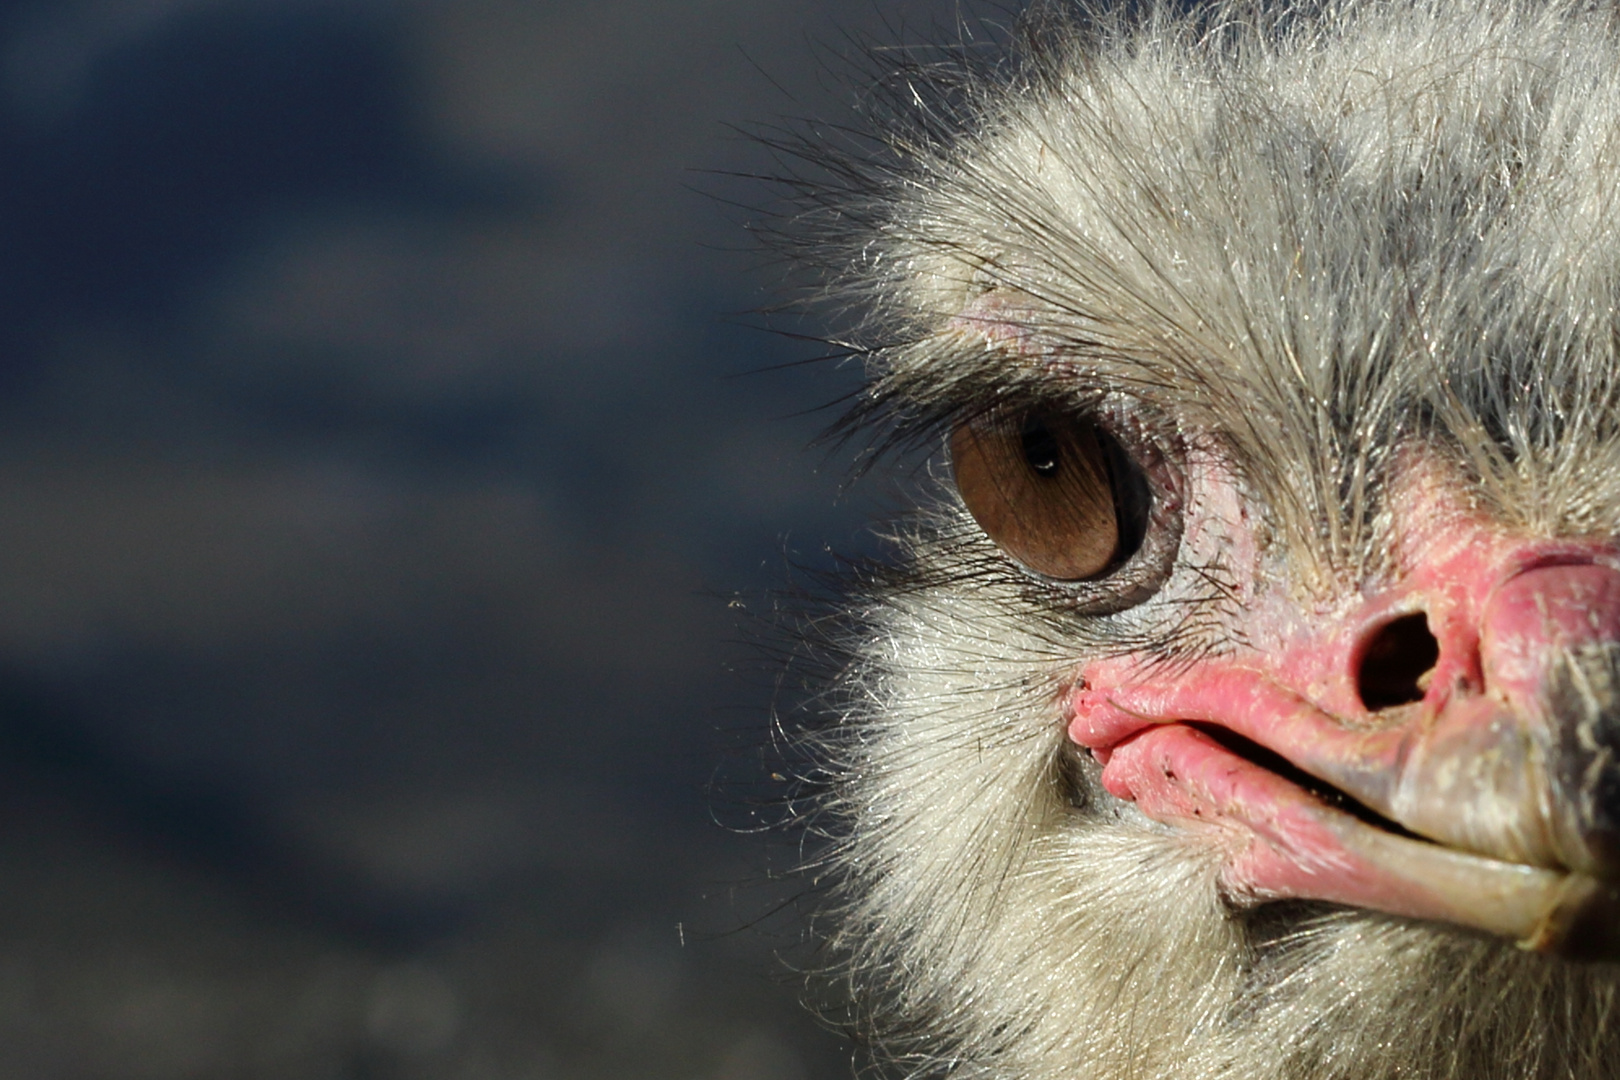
<point x="1448" y="748"/>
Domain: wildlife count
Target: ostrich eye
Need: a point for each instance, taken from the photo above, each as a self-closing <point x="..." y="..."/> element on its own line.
<point x="1055" y="492"/>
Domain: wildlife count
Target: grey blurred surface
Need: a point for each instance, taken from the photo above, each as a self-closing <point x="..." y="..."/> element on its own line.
<point x="378" y="452"/>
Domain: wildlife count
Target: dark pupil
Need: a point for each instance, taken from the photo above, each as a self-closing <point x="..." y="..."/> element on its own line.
<point x="1041" y="449"/>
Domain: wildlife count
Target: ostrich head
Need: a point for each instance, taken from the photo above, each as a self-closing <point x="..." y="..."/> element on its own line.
<point x="1247" y="701"/>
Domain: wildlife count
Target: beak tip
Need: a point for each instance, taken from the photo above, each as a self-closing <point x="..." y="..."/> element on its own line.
<point x="1583" y="924"/>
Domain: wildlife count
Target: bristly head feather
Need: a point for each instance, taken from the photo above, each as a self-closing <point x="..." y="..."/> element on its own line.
<point x="1312" y="229"/>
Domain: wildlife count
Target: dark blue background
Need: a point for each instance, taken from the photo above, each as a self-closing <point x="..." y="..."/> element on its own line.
<point x="389" y="468"/>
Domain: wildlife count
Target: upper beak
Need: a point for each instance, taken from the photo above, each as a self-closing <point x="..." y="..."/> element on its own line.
<point x="1524" y="766"/>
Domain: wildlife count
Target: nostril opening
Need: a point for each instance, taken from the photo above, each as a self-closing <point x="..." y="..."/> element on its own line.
<point x="1396" y="662"/>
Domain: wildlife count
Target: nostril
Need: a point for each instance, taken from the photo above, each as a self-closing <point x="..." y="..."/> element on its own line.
<point x="1395" y="663"/>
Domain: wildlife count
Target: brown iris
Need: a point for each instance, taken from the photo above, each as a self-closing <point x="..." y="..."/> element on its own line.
<point x="1042" y="485"/>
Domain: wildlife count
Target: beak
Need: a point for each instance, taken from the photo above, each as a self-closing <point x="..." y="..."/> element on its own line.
<point x="1488" y="796"/>
<point x="1526" y="769"/>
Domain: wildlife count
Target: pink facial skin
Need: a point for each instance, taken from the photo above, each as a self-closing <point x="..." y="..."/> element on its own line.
<point x="1471" y="766"/>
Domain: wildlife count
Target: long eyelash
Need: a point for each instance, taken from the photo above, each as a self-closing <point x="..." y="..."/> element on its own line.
<point x="906" y="412"/>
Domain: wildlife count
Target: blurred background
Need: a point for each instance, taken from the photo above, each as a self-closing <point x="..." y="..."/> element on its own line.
<point x="389" y="467"/>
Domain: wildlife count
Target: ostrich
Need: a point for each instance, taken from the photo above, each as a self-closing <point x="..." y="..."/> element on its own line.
<point x="1244" y="701"/>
